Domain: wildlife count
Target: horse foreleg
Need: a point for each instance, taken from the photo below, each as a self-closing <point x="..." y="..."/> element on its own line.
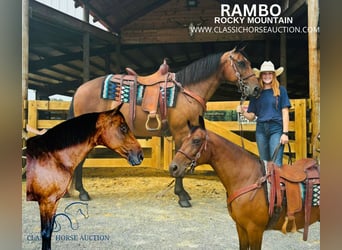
<point x="47" y="212"/>
<point x="183" y="195"/>
<point x="243" y="237"/>
<point x="255" y="239"/>
<point x="77" y="179"/>
<point x="250" y="238"/>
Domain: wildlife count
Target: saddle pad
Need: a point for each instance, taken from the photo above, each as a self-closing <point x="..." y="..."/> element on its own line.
<point x="316" y="193"/>
<point x="115" y="91"/>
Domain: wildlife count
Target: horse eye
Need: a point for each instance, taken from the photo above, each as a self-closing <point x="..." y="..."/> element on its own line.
<point x="196" y="141"/>
<point x="242" y="64"/>
<point x="124" y="128"/>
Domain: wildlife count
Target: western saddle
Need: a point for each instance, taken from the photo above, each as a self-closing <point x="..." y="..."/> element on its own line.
<point x="152" y="96"/>
<point x="287" y="180"/>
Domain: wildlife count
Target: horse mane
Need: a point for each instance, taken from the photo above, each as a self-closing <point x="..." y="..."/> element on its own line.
<point x="199" y="70"/>
<point x="68" y="133"/>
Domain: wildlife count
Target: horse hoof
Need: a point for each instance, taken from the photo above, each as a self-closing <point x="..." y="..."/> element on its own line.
<point x="184" y="203"/>
<point x="84" y="197"/>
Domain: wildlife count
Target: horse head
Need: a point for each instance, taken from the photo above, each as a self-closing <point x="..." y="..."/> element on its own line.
<point x="117" y="136"/>
<point x="191" y="149"/>
<point x="237" y="68"/>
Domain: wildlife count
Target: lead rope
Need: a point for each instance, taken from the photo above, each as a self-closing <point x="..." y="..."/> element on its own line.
<point x="243" y="97"/>
<point x="240" y="122"/>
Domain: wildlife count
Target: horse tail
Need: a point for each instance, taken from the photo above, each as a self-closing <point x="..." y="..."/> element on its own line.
<point x="71" y="113"/>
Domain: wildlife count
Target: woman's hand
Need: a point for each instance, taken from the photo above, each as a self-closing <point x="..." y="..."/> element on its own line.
<point x="240" y="109"/>
<point x="284" y="139"/>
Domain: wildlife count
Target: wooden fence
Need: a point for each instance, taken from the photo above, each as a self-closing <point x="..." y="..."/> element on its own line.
<point x="159" y="151"/>
<point x="58" y="109"/>
<point x="298" y="128"/>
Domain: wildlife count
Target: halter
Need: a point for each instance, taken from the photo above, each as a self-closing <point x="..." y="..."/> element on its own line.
<point x="241" y="81"/>
<point x="193" y="160"/>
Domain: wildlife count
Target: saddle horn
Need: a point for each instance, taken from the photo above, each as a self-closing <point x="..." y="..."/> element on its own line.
<point x="164" y="67"/>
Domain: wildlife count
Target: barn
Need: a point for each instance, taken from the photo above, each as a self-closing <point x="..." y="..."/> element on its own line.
<point x="61" y="52"/>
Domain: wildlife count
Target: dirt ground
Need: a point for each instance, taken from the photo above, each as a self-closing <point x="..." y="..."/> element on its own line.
<point x="133" y="208"/>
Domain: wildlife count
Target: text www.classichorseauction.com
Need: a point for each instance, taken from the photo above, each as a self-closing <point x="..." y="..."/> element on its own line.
<point x="255" y="18"/>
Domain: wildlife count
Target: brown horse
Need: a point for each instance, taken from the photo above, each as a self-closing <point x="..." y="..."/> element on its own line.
<point x="237" y="169"/>
<point x="53" y="157"/>
<point x="197" y="83"/>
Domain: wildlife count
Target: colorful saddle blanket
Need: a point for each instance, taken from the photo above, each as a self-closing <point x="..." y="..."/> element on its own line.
<point x="121" y="92"/>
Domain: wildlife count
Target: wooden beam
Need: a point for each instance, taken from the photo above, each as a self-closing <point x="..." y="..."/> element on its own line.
<point x="180" y="35"/>
<point x="53" y="60"/>
<point x="294" y="7"/>
<point x="43" y="12"/>
<point x="314" y="73"/>
<point x="140" y="13"/>
<point x="86" y="47"/>
<point x="25" y="55"/>
<point x="283" y="59"/>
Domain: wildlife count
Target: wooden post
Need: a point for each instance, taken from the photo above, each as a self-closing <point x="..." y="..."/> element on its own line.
<point x="283" y="60"/>
<point x="86" y="46"/>
<point x="168" y="151"/>
<point x="300" y="129"/>
<point x="25" y="56"/>
<point x="267" y="51"/>
<point x="283" y="57"/>
<point x="32" y="117"/>
<point x="314" y="73"/>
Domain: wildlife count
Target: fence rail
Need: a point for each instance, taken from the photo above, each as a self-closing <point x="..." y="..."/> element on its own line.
<point x="161" y="150"/>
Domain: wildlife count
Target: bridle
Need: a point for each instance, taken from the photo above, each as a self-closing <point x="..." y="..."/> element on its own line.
<point x="242" y="86"/>
<point x="193" y="160"/>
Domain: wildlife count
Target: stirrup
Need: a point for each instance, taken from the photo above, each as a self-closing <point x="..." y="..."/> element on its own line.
<point x="153" y="116"/>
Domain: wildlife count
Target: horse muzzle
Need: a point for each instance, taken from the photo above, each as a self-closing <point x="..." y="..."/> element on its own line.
<point x="135" y="158"/>
<point x="250" y="91"/>
<point x="256" y="91"/>
<point x="176" y="170"/>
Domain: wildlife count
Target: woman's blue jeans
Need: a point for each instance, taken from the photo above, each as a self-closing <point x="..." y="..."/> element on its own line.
<point x="268" y="137"/>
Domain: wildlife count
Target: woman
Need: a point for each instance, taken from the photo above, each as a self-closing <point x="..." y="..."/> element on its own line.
<point x="272" y="111"/>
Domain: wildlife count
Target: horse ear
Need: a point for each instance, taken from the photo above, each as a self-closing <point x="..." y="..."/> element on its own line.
<point x="241" y="46"/>
<point x="120" y="105"/>
<point x="201" y="122"/>
<point x="189" y="125"/>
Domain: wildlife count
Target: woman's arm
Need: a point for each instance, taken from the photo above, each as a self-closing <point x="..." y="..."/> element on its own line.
<point x="248" y="115"/>
<point x="285" y="137"/>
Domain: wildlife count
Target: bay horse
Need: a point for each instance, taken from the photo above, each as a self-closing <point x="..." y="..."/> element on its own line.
<point x="197" y="83"/>
<point x="53" y="156"/>
<point x="238" y="170"/>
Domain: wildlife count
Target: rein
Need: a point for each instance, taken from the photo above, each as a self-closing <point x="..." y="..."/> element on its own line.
<point x="188" y="92"/>
<point x="240" y="124"/>
<point x="193" y="160"/>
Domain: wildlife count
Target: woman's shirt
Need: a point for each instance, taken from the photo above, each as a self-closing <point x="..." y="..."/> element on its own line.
<point x="268" y="107"/>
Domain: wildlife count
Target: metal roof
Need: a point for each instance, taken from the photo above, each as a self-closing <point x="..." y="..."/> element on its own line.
<point x="143" y="33"/>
